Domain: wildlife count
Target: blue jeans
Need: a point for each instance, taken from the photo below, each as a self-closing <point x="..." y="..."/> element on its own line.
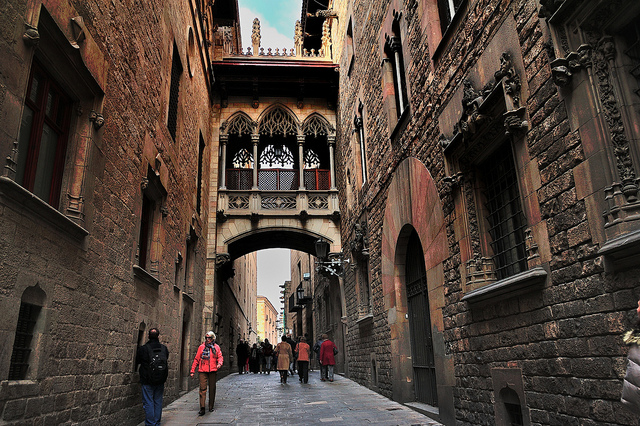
<point x="152" y="404"/>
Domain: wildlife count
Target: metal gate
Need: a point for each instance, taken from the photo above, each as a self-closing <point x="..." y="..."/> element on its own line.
<point x="424" y="371"/>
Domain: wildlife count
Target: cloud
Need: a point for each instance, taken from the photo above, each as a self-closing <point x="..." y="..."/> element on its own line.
<point x="271" y="36"/>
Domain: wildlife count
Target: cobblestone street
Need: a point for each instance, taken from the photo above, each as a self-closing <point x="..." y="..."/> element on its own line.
<point x="260" y="399"/>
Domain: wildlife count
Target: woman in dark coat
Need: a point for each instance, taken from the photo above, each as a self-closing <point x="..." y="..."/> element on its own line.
<point x="254" y="359"/>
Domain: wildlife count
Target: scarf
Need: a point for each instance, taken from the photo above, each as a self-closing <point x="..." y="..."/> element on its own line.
<point x="206" y="352"/>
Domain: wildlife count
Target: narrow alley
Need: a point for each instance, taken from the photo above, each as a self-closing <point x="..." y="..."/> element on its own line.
<point x="260" y="399"/>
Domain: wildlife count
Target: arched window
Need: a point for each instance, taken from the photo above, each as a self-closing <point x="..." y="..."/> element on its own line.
<point x="27" y="336"/>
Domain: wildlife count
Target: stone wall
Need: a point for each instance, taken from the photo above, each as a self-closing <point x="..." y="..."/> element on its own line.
<point x="559" y="343"/>
<point x="81" y="257"/>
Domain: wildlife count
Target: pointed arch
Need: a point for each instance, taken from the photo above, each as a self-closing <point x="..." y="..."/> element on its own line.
<point x="317" y="125"/>
<point x="278" y="120"/>
<point x="239" y="124"/>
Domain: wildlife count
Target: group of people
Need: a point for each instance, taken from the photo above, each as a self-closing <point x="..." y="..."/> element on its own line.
<point x="254" y="359"/>
<point x="152" y="360"/>
<point x="289" y="353"/>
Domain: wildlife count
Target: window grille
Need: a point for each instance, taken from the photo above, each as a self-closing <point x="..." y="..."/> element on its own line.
<point x="27" y="319"/>
<point x="174" y="90"/>
<point x="505" y="216"/>
<point x="514" y="412"/>
<point x="239" y="179"/>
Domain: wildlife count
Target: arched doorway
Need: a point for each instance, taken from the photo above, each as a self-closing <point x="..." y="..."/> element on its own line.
<point x="424" y="369"/>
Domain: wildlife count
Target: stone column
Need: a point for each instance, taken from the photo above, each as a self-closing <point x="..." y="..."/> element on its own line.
<point x="331" y="139"/>
<point x="394" y="44"/>
<point x="255" y="139"/>
<point x="301" y="185"/>
<point x="223" y="143"/>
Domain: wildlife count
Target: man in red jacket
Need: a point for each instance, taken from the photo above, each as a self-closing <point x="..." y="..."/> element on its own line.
<point x="208" y="360"/>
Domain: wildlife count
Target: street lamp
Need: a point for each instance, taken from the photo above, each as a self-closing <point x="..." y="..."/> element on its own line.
<point x="332" y="264"/>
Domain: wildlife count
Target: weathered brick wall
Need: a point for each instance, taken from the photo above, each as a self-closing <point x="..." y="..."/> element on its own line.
<point x="94" y="306"/>
<point x="565" y="337"/>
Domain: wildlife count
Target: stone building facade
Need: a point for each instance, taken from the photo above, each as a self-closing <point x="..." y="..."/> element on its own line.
<point x="478" y="145"/>
<point x="108" y="181"/>
<point x="267" y="320"/>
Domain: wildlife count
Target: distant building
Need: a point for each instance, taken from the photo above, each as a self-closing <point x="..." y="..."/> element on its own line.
<point x="267" y="320"/>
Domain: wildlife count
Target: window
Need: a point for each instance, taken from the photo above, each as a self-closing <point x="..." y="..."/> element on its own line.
<point x="199" y="183"/>
<point x="23" y="365"/>
<point x="153" y="195"/>
<point x="393" y="50"/>
<point x="22" y="345"/>
<point x="358" y="123"/>
<point x="504" y="213"/>
<point x="447" y="10"/>
<point x="43" y="137"/>
<point x="350" y="51"/>
<point x="174" y="91"/>
<point x="363" y="287"/>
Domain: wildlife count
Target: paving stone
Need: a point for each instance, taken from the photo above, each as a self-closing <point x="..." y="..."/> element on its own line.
<point x="255" y="399"/>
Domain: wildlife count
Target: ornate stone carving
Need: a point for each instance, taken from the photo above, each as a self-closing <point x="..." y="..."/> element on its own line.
<point x="603" y="60"/>
<point x="471" y="118"/>
<point x="222" y="259"/>
<point x="453" y="181"/>
<point x="78" y="28"/>
<point x="480" y="271"/>
<point x="510" y="78"/>
<point x="164" y="211"/>
<point x="12" y="162"/>
<point x="533" y="253"/>
<point x="255" y="34"/>
<point x="221" y="216"/>
<point x="31" y="36"/>
<point x="144" y="184"/>
<point x="514" y="121"/>
<point x="360" y="240"/>
<point x="548" y="8"/>
<point x="97" y="119"/>
<point x="298" y="39"/>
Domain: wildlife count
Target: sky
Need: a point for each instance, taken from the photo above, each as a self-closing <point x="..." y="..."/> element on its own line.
<point x="277" y="26"/>
<point x="277" y="22"/>
<point x="273" y="271"/>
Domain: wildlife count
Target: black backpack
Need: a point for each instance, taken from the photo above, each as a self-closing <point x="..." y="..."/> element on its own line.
<point x="158" y="367"/>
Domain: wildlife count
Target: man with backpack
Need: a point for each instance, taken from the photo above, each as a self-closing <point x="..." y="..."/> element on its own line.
<point x="152" y="358"/>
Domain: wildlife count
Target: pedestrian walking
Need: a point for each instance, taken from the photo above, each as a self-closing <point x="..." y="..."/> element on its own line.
<point x="254" y="359"/>
<point x="152" y="361"/>
<point x="208" y="360"/>
<point x="268" y="355"/>
<point x="316" y="349"/>
<point x="284" y="353"/>
<point x="241" y="355"/>
<point x="303" y="351"/>
<point x="292" y="365"/>
<point x="631" y="384"/>
<point x="328" y="350"/>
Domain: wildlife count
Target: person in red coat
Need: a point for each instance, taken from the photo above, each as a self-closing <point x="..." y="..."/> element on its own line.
<point x="208" y="360"/>
<point x="328" y="350"/>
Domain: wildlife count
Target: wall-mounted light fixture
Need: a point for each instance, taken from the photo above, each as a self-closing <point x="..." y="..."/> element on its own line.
<point x="332" y="264"/>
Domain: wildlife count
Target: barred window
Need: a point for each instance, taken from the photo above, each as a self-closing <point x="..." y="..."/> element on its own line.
<point x="22" y="347"/>
<point x="505" y="216"/>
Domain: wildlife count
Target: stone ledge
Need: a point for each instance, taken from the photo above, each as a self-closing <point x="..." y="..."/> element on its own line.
<point x="623" y="251"/>
<point x="21" y="198"/>
<point x="365" y="320"/>
<point x="146" y="277"/>
<point x="508" y="287"/>
<point x="426" y="409"/>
